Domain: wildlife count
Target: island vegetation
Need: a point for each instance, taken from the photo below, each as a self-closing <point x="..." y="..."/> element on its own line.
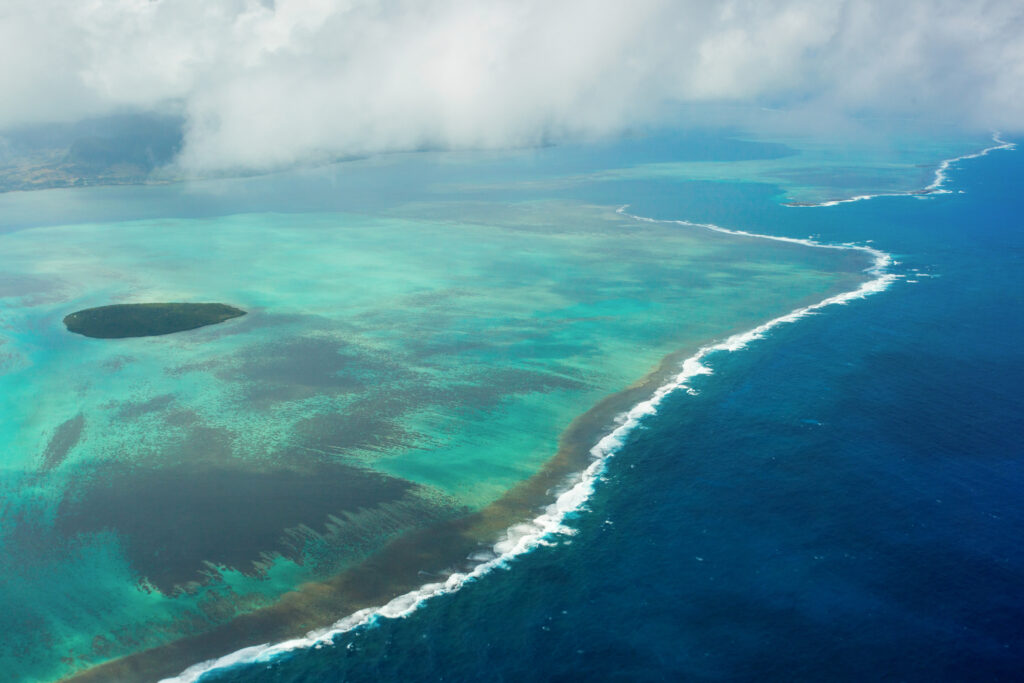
<point x="119" y="321"/>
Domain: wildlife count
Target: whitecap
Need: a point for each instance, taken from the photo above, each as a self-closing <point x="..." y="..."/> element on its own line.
<point x="543" y="529"/>
<point x="935" y="187"/>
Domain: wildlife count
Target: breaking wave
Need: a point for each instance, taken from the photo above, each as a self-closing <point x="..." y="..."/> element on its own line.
<point x="544" y="528"/>
<point x="941" y="176"/>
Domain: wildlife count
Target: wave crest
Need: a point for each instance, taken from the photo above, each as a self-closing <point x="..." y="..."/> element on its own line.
<point x="941" y="176"/>
<point x="524" y="537"/>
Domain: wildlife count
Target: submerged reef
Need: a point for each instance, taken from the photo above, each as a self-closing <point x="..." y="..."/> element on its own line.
<point x="147" y="320"/>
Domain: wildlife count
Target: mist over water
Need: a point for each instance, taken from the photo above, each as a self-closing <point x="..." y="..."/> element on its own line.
<point x="647" y="341"/>
<point x="263" y="85"/>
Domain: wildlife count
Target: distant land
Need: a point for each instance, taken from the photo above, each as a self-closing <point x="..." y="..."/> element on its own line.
<point x="119" y="321"/>
<point x="123" y="149"/>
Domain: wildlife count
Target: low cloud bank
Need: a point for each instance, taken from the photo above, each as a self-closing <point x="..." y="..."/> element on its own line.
<point x="267" y="84"/>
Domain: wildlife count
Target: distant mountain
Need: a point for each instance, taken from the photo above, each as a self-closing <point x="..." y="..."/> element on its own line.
<point x="111" y="150"/>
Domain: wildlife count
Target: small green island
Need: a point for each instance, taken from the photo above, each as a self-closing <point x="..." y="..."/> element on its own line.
<point x="119" y="321"/>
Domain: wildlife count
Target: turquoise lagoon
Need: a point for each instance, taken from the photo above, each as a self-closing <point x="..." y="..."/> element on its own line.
<point x="426" y="335"/>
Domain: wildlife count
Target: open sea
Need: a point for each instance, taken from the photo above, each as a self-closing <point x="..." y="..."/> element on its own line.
<point x="840" y="501"/>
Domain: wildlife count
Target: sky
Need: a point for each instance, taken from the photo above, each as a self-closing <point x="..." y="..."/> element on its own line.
<point x="269" y="83"/>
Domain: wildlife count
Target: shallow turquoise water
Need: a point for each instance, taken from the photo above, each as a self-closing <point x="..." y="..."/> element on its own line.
<point x="426" y="332"/>
<point x="841" y="501"/>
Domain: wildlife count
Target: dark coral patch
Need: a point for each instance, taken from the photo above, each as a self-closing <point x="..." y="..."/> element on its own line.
<point x="63" y="440"/>
<point x="174" y="520"/>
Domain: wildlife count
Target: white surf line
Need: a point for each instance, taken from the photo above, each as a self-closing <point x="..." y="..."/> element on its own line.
<point x="524" y="537"/>
<point x="941" y="176"/>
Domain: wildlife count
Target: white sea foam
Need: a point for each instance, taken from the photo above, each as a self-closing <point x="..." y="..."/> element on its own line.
<point x="541" y="530"/>
<point x="941" y="173"/>
<point x="521" y="538"/>
<point x="941" y="176"/>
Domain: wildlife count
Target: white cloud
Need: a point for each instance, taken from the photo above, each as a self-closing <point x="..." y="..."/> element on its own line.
<point x="270" y="83"/>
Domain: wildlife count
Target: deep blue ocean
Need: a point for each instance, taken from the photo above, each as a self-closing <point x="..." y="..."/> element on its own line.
<point x="841" y="501"/>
